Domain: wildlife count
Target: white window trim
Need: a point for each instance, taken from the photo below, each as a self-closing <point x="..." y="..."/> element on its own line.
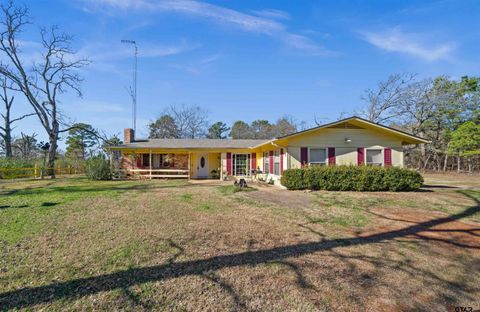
<point x="266" y="170"/>
<point x="320" y="163"/>
<point x="279" y="161"/>
<point x="382" y="149"/>
<point x="249" y="165"/>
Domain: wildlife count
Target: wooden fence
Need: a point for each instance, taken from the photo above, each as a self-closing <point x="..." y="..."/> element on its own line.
<point x="36" y="172"/>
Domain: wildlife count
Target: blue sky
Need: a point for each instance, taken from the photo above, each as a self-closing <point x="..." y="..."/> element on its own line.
<point x="252" y="59"/>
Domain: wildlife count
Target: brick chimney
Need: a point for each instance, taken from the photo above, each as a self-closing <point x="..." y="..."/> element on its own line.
<point x="128" y="135"/>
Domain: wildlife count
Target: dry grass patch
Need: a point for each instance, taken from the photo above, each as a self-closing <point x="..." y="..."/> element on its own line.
<point x="169" y="245"/>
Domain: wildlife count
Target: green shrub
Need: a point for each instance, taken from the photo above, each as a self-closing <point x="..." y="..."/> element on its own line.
<point x="352" y="178"/>
<point x="98" y="168"/>
<point x="294" y="179"/>
<point x="12" y="168"/>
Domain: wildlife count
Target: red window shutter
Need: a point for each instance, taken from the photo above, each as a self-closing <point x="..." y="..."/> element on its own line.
<point x="281" y="161"/>
<point x="387" y="154"/>
<point x="360" y="156"/>
<point x="229" y="163"/>
<point x="271" y="161"/>
<point x="331" y="156"/>
<point x="254" y="161"/>
<point x="303" y="156"/>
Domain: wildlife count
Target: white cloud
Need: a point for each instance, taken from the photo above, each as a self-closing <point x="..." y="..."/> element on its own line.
<point x="246" y="22"/>
<point x="117" y="50"/>
<point x="305" y="44"/>
<point x="104" y="55"/>
<point x="273" y="13"/>
<point x="413" y="44"/>
<point x="199" y="66"/>
<point x="210" y="59"/>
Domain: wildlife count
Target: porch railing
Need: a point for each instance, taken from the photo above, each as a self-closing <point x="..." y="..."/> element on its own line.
<point x="153" y="173"/>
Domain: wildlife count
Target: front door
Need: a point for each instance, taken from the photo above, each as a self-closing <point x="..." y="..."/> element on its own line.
<point x="202" y="165"/>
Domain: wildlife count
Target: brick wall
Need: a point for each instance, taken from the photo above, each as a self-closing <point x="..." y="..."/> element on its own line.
<point x="180" y="161"/>
<point x="128" y="135"/>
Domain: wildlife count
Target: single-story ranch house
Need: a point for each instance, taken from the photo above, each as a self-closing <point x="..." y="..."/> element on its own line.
<point x="350" y="141"/>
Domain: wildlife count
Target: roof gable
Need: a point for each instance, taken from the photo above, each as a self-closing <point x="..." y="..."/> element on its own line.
<point x="359" y="123"/>
<point x="345" y="125"/>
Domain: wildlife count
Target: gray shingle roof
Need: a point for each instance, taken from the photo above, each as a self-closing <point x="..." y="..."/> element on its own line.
<point x="192" y="143"/>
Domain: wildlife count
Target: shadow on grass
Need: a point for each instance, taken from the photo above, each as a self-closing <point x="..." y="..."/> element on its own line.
<point x="10" y="206"/>
<point x="49" y="204"/>
<point x="85" y="189"/>
<point x="29" y="296"/>
<point x="437" y="186"/>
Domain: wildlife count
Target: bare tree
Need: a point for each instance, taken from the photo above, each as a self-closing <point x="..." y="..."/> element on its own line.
<point x="6" y="128"/>
<point x="25" y="147"/>
<point x="319" y="120"/>
<point x="191" y="121"/>
<point x="384" y="102"/>
<point x="43" y="81"/>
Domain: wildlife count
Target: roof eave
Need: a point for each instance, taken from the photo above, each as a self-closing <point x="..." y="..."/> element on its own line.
<point x="400" y="133"/>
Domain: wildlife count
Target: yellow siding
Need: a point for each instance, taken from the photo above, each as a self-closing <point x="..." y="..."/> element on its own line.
<point x="345" y="152"/>
<point x="213" y="162"/>
<point x="336" y="138"/>
<point x="260" y="161"/>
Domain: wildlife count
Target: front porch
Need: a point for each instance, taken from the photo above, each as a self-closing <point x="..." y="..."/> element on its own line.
<point x="161" y="164"/>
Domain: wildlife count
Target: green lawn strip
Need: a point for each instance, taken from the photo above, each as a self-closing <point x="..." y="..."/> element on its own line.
<point x="341" y="210"/>
<point x="186" y="197"/>
<point x="207" y="207"/>
<point x="26" y="207"/>
<point x="136" y="252"/>
<point x="232" y="189"/>
<point x="475" y="195"/>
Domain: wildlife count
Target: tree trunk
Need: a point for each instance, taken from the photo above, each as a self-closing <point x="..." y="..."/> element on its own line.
<point x="423" y="155"/>
<point x="445" y="162"/>
<point x="7" y="136"/>
<point x="52" y="150"/>
<point x="425" y="164"/>
<point x="458" y="163"/>
<point x="8" y="139"/>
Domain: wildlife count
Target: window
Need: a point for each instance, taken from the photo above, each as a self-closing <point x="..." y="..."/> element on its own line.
<point x="318" y="156"/>
<point x="266" y="162"/>
<point x="276" y="162"/>
<point x="241" y="164"/>
<point x="374" y="157"/>
<point x="146" y="160"/>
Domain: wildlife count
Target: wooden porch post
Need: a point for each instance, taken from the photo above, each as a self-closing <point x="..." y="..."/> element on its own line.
<point x="189" y="159"/>
<point x="110" y="157"/>
<point x="150" y="163"/>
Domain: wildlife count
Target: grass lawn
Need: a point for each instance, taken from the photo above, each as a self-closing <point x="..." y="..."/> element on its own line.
<point x="74" y="244"/>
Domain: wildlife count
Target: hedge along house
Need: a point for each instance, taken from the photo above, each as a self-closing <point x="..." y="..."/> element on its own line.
<point x="350" y="141"/>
